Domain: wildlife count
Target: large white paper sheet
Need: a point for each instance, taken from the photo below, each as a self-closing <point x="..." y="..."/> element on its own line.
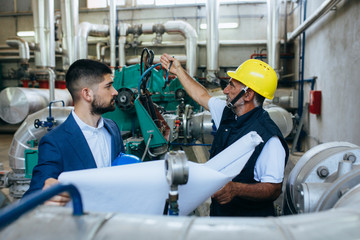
<point x="142" y="188"/>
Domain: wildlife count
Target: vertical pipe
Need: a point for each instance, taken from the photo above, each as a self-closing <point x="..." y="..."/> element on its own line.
<point x="112" y="26"/>
<point x="273" y="45"/>
<point x="122" y="30"/>
<point x="212" y="17"/>
<point x="70" y="24"/>
<point x="301" y="64"/>
<point x="43" y="12"/>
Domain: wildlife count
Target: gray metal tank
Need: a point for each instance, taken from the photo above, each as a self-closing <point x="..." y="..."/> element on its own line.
<point x="17" y="103"/>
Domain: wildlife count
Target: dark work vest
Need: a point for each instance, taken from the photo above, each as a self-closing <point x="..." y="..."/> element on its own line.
<point x="230" y="130"/>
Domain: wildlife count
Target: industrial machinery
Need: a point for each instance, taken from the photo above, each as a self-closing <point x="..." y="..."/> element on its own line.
<point x="323" y="176"/>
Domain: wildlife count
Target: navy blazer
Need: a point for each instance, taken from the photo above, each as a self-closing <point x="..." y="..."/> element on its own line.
<point x="65" y="149"/>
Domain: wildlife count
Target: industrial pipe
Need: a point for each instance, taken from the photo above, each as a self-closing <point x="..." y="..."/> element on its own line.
<point x="122" y="30"/>
<point x="27" y="132"/>
<point x="51" y="222"/>
<point x="88" y="29"/>
<point x="325" y="7"/>
<point x="43" y="13"/>
<point x="273" y="45"/>
<point x="191" y="42"/>
<point x="22" y="45"/>
<point x="212" y="46"/>
<point x="112" y="26"/>
<point x="17" y="103"/>
<point x="70" y="24"/>
<point x="98" y="50"/>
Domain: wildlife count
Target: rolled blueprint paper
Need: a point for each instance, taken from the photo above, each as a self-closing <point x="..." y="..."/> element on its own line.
<point x="232" y="159"/>
<point x="142" y="188"/>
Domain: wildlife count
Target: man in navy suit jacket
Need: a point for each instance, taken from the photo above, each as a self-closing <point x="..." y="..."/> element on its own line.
<point x="85" y="140"/>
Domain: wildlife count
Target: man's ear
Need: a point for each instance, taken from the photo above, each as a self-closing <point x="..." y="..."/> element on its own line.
<point x="87" y="94"/>
<point x="249" y="95"/>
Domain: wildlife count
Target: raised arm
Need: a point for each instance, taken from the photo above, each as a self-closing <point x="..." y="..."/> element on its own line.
<point x="195" y="90"/>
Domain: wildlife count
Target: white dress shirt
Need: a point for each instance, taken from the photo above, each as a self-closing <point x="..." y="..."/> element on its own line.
<point x="99" y="141"/>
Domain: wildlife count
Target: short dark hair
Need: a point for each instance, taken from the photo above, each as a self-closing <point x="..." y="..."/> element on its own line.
<point x="259" y="99"/>
<point x="84" y="73"/>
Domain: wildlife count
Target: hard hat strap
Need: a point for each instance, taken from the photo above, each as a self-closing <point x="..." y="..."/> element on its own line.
<point x="241" y="93"/>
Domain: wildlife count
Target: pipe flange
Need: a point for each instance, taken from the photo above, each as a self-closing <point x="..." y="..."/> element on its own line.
<point x="176" y="168"/>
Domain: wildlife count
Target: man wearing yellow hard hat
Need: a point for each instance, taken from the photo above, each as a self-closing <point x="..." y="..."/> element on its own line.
<point x="253" y="191"/>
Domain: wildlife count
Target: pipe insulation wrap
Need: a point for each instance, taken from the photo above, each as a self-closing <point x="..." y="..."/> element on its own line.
<point x="17" y="103"/>
<point x="27" y="132"/>
<point x="50" y="222"/>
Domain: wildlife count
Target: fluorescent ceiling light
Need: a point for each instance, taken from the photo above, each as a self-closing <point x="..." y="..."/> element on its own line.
<point x="222" y="25"/>
<point x="26" y="33"/>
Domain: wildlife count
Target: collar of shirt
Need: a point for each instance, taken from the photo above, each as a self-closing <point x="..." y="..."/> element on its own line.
<point x="85" y="127"/>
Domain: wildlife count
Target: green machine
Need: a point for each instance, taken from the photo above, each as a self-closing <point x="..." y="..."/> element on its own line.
<point x="144" y="96"/>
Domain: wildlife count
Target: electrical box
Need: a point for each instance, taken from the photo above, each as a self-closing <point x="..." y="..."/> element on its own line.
<point x="315" y="102"/>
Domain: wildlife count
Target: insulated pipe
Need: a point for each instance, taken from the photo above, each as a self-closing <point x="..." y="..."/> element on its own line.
<point x="122" y="30"/>
<point x="88" y="29"/>
<point x="98" y="50"/>
<point x="70" y="24"/>
<point x="191" y="42"/>
<point x="27" y="132"/>
<point x="212" y="46"/>
<point x="112" y="29"/>
<point x="273" y="45"/>
<point x="58" y="223"/>
<point x="23" y="46"/>
<point x="325" y="7"/>
<point x="236" y="42"/>
<point x="43" y="12"/>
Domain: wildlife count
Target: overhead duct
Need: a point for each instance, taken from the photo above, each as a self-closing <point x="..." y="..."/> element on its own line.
<point x="43" y="13"/>
<point x="212" y="46"/>
<point x="22" y="45"/>
<point x="88" y="29"/>
<point x="273" y="44"/>
<point x="69" y="23"/>
<point x="325" y="7"/>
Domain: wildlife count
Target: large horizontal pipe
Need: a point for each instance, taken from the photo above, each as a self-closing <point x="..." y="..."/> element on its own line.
<point x="325" y="7"/>
<point x="58" y="223"/>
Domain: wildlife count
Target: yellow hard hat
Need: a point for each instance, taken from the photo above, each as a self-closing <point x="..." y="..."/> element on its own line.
<point x="258" y="76"/>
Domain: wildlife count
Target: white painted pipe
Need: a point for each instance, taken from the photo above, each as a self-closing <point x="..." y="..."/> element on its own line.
<point x="22" y="45"/>
<point x="88" y="29"/>
<point x="70" y="24"/>
<point x="112" y="26"/>
<point x="191" y="42"/>
<point x="43" y="13"/>
<point x="212" y="45"/>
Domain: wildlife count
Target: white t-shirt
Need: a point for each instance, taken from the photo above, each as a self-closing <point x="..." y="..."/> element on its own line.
<point x="99" y="141"/>
<point x="270" y="164"/>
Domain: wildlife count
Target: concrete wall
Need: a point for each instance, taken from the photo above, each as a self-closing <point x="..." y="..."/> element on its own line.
<point x="332" y="54"/>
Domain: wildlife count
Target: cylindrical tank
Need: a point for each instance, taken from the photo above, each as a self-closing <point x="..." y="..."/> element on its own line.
<point x="281" y="117"/>
<point x="17" y="103"/>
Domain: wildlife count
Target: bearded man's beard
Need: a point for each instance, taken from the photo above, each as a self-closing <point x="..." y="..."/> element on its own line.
<point x="98" y="109"/>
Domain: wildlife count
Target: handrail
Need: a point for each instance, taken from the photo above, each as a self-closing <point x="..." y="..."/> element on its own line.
<point x="14" y="211"/>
